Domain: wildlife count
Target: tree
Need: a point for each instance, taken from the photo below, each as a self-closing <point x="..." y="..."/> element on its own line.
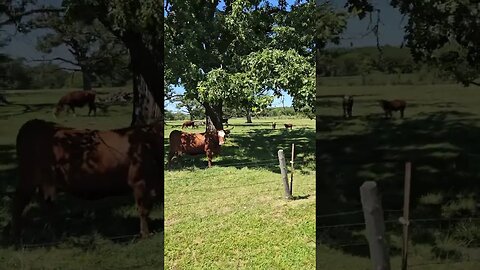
<point x="206" y="45"/>
<point x="139" y="25"/>
<point x="96" y="52"/>
<point x="193" y="107"/>
<point x="443" y="33"/>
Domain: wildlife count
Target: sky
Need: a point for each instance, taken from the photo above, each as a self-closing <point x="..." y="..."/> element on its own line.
<point x="391" y="33"/>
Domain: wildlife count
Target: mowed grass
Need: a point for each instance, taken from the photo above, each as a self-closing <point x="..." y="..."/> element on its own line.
<point x="233" y="215"/>
<point x="440" y="134"/>
<point x="84" y="233"/>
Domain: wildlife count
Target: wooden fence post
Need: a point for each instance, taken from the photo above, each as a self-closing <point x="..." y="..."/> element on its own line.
<point x="291" y="172"/>
<point x="283" y="170"/>
<point x="406" y="209"/>
<point x="375" y="226"/>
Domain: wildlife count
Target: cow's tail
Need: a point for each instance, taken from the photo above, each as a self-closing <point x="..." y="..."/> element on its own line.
<point x="34" y="152"/>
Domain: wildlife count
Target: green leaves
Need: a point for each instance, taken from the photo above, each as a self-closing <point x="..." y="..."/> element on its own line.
<point x="264" y="75"/>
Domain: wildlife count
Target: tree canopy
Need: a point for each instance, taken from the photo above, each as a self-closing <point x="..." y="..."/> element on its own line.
<point x="444" y="33"/>
<point x="244" y="52"/>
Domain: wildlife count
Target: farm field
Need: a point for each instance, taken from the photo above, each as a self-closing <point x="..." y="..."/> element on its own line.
<point x="85" y="235"/>
<point x="230" y="216"/>
<point x="440" y="134"/>
<point x="233" y="215"/>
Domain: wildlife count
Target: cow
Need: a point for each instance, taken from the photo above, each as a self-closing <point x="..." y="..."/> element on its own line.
<point x="274" y="125"/>
<point x="77" y="99"/>
<point x="347" y="105"/>
<point x="288" y="126"/>
<point x="208" y="143"/>
<point x="89" y="164"/>
<point x="394" y="105"/>
<point x="188" y="124"/>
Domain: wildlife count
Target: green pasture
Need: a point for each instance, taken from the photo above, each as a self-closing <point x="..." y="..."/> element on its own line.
<point x="440" y="134"/>
<point x="85" y="234"/>
<point x="230" y="216"/>
<point x="233" y="216"/>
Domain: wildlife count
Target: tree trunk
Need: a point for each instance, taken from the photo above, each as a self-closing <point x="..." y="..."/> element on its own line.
<point x="249" y="116"/>
<point x="145" y="109"/>
<point x="147" y="82"/>
<point x="214" y="116"/>
<point x="87" y="79"/>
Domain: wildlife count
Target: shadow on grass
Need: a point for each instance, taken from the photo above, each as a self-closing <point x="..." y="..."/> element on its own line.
<point x="442" y="146"/>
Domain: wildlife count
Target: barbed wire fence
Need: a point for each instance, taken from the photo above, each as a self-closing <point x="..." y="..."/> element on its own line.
<point x="358" y="227"/>
<point x="87" y="240"/>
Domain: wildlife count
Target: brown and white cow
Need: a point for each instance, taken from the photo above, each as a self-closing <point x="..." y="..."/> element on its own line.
<point x="393" y="105"/>
<point x="89" y="164"/>
<point x="288" y="126"/>
<point x="208" y="143"/>
<point x="77" y="99"/>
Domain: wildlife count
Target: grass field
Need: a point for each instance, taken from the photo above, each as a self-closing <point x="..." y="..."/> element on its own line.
<point x="233" y="216"/>
<point x="230" y="216"/>
<point x="440" y="134"/>
<point x="84" y="233"/>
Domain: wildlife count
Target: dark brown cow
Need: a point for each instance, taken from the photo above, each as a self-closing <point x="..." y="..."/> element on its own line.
<point x="208" y="143"/>
<point x="394" y="105"/>
<point x="274" y="125"/>
<point x="89" y="164"/>
<point x="188" y="124"/>
<point x="347" y="105"/>
<point x="77" y="99"/>
<point x="288" y="126"/>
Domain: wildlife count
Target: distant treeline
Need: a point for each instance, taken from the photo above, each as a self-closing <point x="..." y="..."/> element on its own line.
<point x="269" y="112"/>
<point x="369" y="66"/>
<point x="15" y="74"/>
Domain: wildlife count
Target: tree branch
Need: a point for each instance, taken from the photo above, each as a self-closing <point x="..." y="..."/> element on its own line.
<point x="14" y="18"/>
<point x="56" y="59"/>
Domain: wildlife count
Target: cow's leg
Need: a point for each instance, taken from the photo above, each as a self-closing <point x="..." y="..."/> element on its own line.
<point x="401" y="113"/>
<point x="144" y="205"/>
<point x="171" y="155"/>
<point x="23" y="195"/>
<point x="209" y="157"/>
<point x="142" y="196"/>
<point x="92" y="108"/>
<point x="73" y="110"/>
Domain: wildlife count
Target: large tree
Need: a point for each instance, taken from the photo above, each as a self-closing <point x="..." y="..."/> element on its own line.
<point x="208" y="46"/>
<point x="444" y="33"/>
<point x="137" y="24"/>
<point x="96" y="52"/>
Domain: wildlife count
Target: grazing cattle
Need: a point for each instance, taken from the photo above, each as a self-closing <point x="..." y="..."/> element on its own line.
<point x="274" y="125"/>
<point x="89" y="164"/>
<point x="394" y="105"/>
<point x="208" y="143"/>
<point x="288" y="126"/>
<point x="347" y="106"/>
<point x="77" y="99"/>
<point x="188" y="124"/>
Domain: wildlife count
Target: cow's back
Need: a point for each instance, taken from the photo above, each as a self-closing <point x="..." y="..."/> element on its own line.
<point x="189" y="143"/>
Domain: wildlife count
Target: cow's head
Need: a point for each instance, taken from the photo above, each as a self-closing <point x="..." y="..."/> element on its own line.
<point x="221" y="137"/>
<point x="58" y="109"/>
